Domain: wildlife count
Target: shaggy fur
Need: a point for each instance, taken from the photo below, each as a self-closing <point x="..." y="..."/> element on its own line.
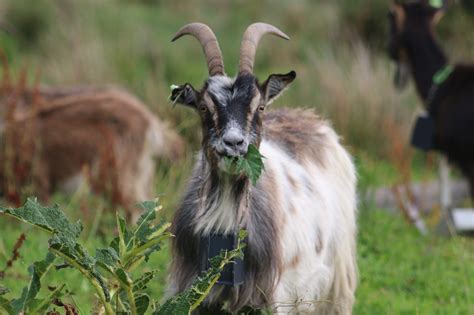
<point x="102" y="133"/>
<point x="300" y="219"/>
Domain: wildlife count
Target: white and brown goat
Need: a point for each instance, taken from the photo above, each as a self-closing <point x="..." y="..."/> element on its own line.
<point x="301" y="214"/>
<point x="54" y="138"/>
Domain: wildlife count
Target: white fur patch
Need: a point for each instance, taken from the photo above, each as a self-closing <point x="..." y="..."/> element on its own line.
<point x="219" y="87"/>
<point x="220" y="215"/>
<point x="320" y="209"/>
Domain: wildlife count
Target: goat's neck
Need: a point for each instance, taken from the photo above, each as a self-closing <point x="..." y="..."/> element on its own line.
<point x="224" y="201"/>
<point x="426" y="58"/>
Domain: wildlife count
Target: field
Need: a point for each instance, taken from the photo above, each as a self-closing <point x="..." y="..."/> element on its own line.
<point x="337" y="49"/>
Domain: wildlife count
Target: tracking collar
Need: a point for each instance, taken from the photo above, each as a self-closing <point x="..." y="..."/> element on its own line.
<point x="438" y="79"/>
<point x="233" y="274"/>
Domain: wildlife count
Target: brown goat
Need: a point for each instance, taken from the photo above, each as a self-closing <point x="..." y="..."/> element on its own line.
<point x="54" y="138"/>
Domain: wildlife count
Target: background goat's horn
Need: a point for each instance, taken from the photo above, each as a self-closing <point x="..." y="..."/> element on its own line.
<point x="250" y="40"/>
<point x="209" y="44"/>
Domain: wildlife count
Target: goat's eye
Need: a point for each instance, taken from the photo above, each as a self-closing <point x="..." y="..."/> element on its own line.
<point x="203" y="108"/>
<point x="261" y="108"/>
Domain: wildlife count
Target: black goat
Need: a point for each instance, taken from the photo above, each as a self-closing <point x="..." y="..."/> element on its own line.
<point x="446" y="90"/>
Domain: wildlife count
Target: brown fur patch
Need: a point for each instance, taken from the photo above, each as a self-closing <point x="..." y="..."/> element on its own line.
<point x="400" y="15"/>
<point x="294" y="262"/>
<point x="298" y="131"/>
<point x="101" y="128"/>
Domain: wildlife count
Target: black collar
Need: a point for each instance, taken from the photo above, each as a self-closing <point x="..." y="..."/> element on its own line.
<point x="233" y="274"/>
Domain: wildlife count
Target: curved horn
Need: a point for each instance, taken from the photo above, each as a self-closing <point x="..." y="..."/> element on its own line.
<point x="250" y="40"/>
<point x="209" y="44"/>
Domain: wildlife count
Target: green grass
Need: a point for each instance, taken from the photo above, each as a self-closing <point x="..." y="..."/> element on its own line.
<point x="401" y="272"/>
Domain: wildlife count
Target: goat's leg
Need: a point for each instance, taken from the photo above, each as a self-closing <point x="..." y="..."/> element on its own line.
<point x="445" y="227"/>
<point x="445" y="186"/>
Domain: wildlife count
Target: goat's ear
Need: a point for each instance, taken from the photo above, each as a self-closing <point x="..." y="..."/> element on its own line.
<point x="275" y="85"/>
<point x="185" y="94"/>
<point x="399" y="14"/>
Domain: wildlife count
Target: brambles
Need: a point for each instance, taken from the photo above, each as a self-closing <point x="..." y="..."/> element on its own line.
<point x="110" y="270"/>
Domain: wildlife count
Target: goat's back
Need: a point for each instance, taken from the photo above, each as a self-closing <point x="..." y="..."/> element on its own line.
<point x="106" y="129"/>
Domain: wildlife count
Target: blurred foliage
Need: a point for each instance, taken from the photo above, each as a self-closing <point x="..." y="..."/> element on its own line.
<point x="28" y="22"/>
<point x="366" y="19"/>
<point x="468" y="6"/>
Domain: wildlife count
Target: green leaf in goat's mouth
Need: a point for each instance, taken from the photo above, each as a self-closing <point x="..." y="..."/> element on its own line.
<point x="250" y="165"/>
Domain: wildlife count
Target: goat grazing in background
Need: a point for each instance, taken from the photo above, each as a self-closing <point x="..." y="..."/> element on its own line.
<point x="447" y="90"/>
<point x="300" y="216"/>
<point x="54" y="137"/>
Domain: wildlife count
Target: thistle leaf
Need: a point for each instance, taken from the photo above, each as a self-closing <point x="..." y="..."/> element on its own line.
<point x="28" y="295"/>
<point x="107" y="258"/>
<point x="79" y="258"/>
<point x="125" y="237"/>
<point x="124" y="278"/>
<point x="145" y="228"/>
<point x="142" y="301"/>
<point x="141" y="283"/>
<point x="51" y="219"/>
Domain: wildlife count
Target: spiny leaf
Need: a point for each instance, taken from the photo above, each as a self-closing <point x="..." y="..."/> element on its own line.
<point x="124" y="278"/>
<point x="51" y="219"/>
<point x="251" y="165"/>
<point x="125" y="237"/>
<point x="107" y="258"/>
<point x="141" y="283"/>
<point x="145" y="228"/>
<point x="63" y="243"/>
<point x="37" y="270"/>
<point x="39" y="306"/>
<point x="142" y="301"/>
<point x="146" y="249"/>
<point x="79" y="258"/>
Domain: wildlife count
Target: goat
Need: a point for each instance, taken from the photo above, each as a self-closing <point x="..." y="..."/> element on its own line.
<point x="300" y="215"/>
<point x="446" y="91"/>
<point x="55" y="137"/>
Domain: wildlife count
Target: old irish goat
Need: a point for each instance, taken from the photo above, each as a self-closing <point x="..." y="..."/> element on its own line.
<point x="53" y="137"/>
<point x="300" y="216"/>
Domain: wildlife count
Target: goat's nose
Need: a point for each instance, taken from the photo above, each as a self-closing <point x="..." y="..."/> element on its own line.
<point x="233" y="140"/>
